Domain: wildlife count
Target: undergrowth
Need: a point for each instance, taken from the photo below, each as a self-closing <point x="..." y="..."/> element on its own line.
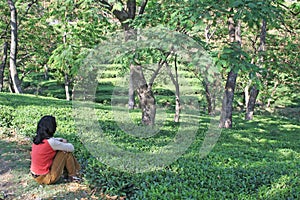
<point x="259" y="159"/>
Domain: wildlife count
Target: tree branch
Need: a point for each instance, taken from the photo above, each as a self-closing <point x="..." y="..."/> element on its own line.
<point x="131" y="8"/>
<point x="27" y="10"/>
<point x="174" y="79"/>
<point x="160" y="64"/>
<point x="170" y="73"/>
<point x="143" y="6"/>
<point x="105" y="4"/>
<point x="293" y="13"/>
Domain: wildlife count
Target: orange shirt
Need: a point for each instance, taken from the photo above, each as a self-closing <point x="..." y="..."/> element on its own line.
<point x="41" y="158"/>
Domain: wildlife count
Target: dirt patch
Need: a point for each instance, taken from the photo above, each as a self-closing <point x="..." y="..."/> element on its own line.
<point x="17" y="183"/>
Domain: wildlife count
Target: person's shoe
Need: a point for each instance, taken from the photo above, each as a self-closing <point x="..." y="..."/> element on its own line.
<point x="75" y="179"/>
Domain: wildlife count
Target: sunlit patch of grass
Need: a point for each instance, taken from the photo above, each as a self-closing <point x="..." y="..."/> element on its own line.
<point x="241" y="138"/>
<point x="288" y="153"/>
<point x="289" y="127"/>
<point x="285" y="187"/>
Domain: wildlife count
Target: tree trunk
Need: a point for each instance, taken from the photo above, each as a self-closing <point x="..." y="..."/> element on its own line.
<point x="13" y="48"/>
<point x="145" y="94"/>
<point x="177" y="103"/>
<point x="209" y="97"/>
<point x="254" y="91"/>
<point x="136" y="74"/>
<point x="67" y="86"/>
<point x="147" y="102"/>
<point x="177" y="92"/>
<point x="272" y="94"/>
<point x="226" y="113"/>
<point x="251" y="103"/>
<point x="123" y="16"/>
<point x="131" y="100"/>
<point x="2" y="66"/>
<point x="246" y="94"/>
<point x="130" y="34"/>
<point x="46" y="71"/>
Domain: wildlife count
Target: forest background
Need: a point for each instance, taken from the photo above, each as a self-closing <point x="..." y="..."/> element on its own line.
<point x="254" y="46"/>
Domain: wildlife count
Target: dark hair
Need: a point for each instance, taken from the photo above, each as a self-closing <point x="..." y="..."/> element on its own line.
<point x="45" y="129"/>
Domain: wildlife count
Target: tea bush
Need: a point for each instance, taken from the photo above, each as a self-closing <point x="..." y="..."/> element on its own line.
<point x="253" y="160"/>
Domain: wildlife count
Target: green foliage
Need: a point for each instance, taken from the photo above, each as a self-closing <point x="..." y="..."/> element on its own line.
<point x="6" y="116"/>
<point x="23" y="112"/>
<point x="254" y="160"/>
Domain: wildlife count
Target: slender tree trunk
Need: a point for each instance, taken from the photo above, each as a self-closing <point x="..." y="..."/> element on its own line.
<point x="251" y="103"/>
<point x="177" y="96"/>
<point x="131" y="100"/>
<point x="210" y="97"/>
<point x="177" y="91"/>
<point x="130" y="34"/>
<point x="66" y="75"/>
<point x="2" y="66"/>
<point x="246" y="94"/>
<point x="146" y="97"/>
<point x="67" y="87"/>
<point x="254" y="91"/>
<point x="177" y="104"/>
<point x="13" y="48"/>
<point x="226" y="113"/>
<point x="46" y="76"/>
<point x="145" y="94"/>
<point x="123" y="16"/>
<point x="273" y="93"/>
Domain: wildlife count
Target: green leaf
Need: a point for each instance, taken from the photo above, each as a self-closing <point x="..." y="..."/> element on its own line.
<point x="236" y="4"/>
<point x="251" y="5"/>
<point x="117" y="6"/>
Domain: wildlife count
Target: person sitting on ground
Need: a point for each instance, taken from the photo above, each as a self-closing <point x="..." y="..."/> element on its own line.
<point x="50" y="156"/>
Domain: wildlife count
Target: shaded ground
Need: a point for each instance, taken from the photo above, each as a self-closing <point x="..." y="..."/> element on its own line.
<point x="17" y="183"/>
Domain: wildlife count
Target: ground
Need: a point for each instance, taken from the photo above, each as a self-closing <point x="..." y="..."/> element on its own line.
<point x="17" y="183"/>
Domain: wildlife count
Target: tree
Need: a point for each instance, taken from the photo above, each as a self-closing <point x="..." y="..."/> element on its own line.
<point x="26" y="33"/>
<point x="16" y="84"/>
<point x="126" y="13"/>
<point x="2" y="65"/>
<point x="282" y="54"/>
<point x="250" y="101"/>
<point x="4" y="26"/>
<point x="234" y="29"/>
<point x="77" y="28"/>
<point x="175" y="81"/>
<point x="145" y="94"/>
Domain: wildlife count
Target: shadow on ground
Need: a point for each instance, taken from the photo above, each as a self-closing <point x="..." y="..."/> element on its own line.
<point x="17" y="183"/>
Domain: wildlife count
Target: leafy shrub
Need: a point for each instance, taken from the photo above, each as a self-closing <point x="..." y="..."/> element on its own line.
<point x="6" y="116"/>
<point x="253" y="160"/>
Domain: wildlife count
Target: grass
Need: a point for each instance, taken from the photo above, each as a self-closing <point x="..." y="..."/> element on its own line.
<point x="253" y="160"/>
<point x="259" y="159"/>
